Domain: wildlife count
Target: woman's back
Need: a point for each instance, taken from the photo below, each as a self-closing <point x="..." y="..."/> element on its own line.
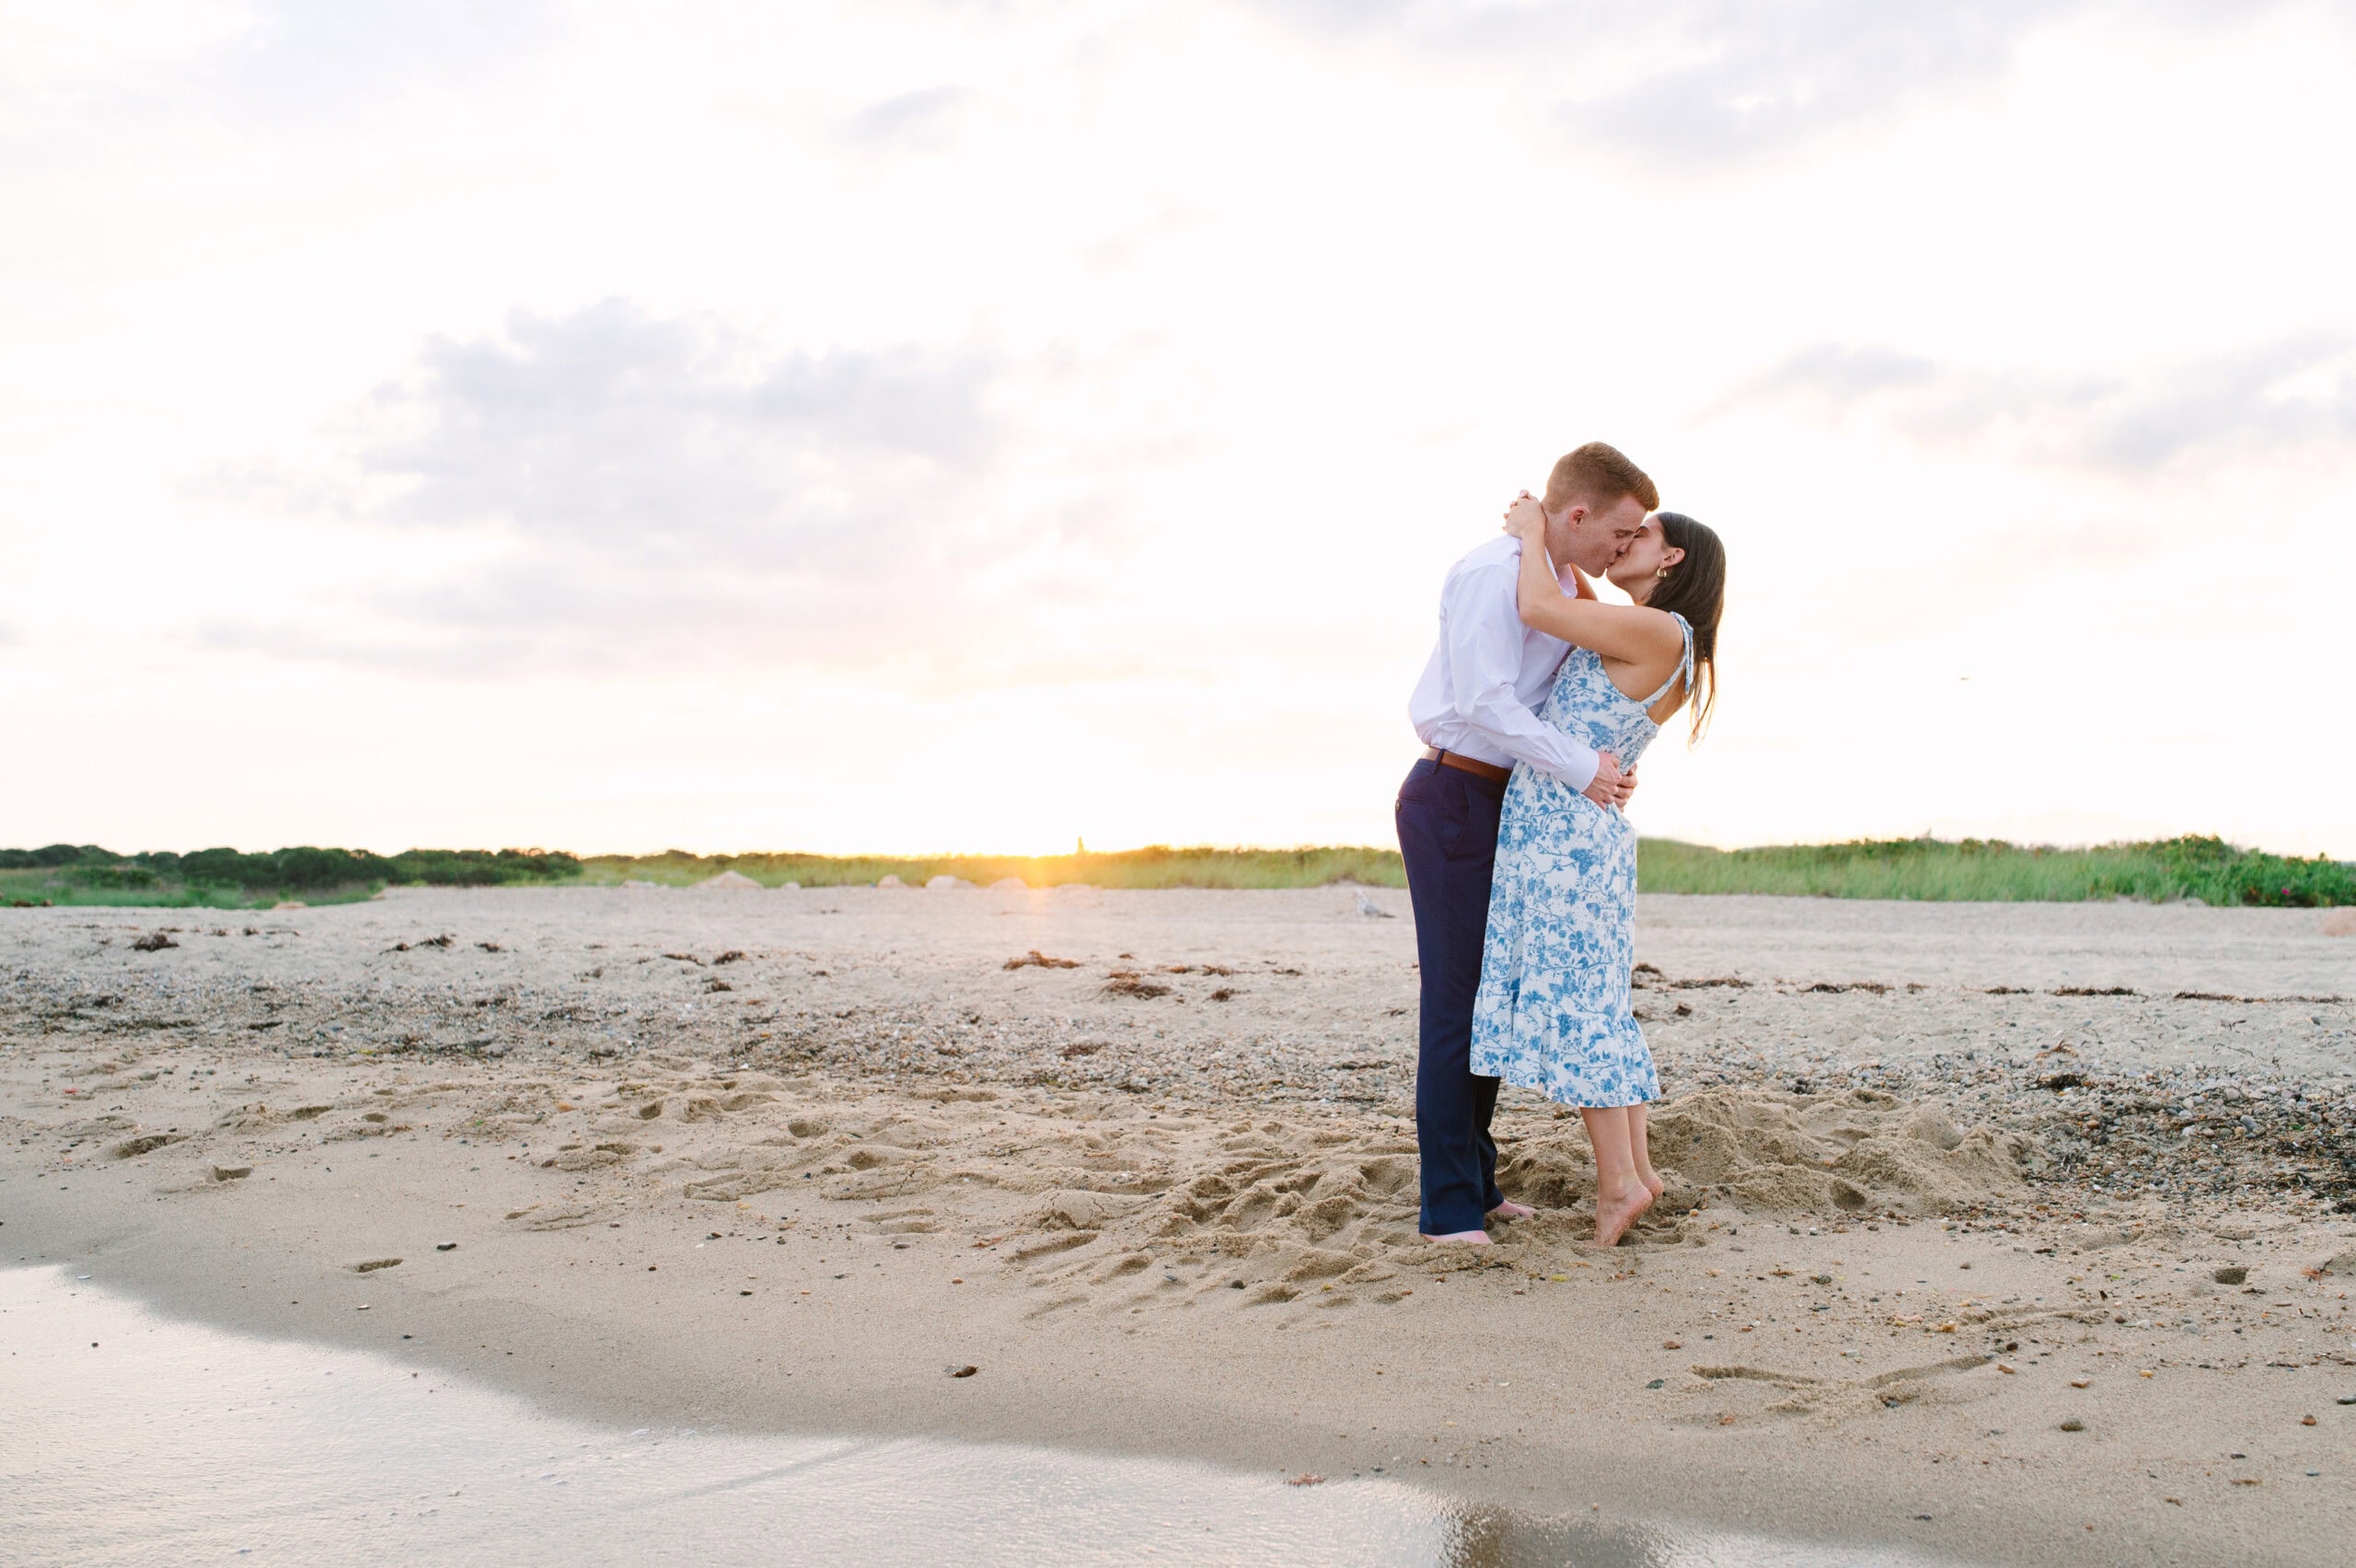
<point x="1588" y="706"/>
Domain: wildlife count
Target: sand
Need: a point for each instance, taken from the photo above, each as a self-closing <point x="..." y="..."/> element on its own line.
<point x="1944" y="1179"/>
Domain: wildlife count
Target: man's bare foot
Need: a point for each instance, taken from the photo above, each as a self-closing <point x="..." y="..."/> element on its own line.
<point x="1471" y="1238"/>
<point x="1511" y="1210"/>
<point x="1616" y="1212"/>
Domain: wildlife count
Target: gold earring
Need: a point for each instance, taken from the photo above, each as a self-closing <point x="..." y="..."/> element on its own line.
<point x="1661" y="574"/>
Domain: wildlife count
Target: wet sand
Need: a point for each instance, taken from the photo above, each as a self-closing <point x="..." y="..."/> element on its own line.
<point x="1944" y="1179"/>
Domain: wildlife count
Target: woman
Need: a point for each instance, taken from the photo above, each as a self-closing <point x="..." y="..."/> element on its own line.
<point x="1553" y="1012"/>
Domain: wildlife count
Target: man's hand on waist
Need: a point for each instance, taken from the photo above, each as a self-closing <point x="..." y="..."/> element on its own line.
<point x="1609" y="786"/>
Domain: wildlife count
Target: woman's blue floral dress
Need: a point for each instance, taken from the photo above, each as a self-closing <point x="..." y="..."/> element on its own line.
<point x="1553" y="1010"/>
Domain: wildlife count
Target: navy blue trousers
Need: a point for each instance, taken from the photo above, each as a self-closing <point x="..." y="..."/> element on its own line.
<point x="1447" y="834"/>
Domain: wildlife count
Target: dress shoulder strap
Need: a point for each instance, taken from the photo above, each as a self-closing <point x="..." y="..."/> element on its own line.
<point x="1685" y="666"/>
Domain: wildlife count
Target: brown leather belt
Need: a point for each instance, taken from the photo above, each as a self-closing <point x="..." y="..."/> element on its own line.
<point x="1488" y="770"/>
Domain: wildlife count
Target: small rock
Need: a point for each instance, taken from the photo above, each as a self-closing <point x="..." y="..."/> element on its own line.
<point x="2073" y="1425"/>
<point x="373" y="1264"/>
<point x="1306" y="1480"/>
<point x="2081" y="1382"/>
<point x="2306" y="1421"/>
<point x="2231" y="1275"/>
<point x="446" y="1246"/>
<point x="231" y="1172"/>
<point x="965" y="1371"/>
<point x="154" y="941"/>
<point x="1658" y="1383"/>
<point x="1672" y="1345"/>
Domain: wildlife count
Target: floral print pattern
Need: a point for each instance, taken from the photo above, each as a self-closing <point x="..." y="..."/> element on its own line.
<point x="1553" y="1013"/>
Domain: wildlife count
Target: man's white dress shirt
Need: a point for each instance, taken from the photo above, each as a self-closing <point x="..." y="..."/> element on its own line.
<point x="1480" y="695"/>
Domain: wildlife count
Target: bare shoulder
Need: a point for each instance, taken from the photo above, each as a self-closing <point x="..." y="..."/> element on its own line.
<point x="1662" y="633"/>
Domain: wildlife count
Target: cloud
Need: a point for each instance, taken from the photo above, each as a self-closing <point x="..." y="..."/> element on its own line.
<point x="2296" y="392"/>
<point x="1699" y="81"/>
<point x="644" y="438"/>
<point x="650" y="488"/>
<point x="918" y="121"/>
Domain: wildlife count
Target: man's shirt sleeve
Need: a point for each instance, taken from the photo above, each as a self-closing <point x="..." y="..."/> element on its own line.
<point x="1484" y="631"/>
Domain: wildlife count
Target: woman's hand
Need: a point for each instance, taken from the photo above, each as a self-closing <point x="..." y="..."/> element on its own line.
<point x="1526" y="520"/>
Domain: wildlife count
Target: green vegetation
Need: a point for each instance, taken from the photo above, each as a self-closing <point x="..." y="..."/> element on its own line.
<point x="2208" y="870"/>
<point x="1158" y="866"/>
<point x="227" y="879"/>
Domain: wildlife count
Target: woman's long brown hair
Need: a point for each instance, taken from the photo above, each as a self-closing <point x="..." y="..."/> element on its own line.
<point x="1696" y="589"/>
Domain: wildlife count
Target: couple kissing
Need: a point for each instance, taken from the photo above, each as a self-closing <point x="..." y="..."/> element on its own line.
<point x="1534" y="708"/>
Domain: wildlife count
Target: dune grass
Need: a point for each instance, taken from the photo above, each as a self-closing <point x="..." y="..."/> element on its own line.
<point x="2206" y="869"/>
<point x="231" y="879"/>
<point x="1154" y="866"/>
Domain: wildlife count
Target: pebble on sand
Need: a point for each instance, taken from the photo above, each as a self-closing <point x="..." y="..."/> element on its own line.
<point x="965" y="1371"/>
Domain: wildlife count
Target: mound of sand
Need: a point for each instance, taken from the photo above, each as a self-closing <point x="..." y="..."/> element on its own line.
<point x="731" y="880"/>
<point x="1855" y="1152"/>
<point x="2339" y="923"/>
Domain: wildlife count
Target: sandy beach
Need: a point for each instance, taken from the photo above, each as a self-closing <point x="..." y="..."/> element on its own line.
<point x="2007" y="1233"/>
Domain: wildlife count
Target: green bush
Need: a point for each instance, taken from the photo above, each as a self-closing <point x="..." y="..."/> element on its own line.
<point x="2206" y="869"/>
<point x="233" y="878"/>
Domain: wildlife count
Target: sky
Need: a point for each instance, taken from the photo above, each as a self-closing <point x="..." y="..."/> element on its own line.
<point x="908" y="427"/>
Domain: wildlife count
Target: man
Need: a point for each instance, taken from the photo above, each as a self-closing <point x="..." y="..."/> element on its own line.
<point x="1475" y="710"/>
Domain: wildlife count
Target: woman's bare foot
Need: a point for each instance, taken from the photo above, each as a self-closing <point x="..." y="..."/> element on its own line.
<point x="1511" y="1210"/>
<point x="1471" y="1238"/>
<point x="1651" y="1179"/>
<point x="1614" y="1212"/>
